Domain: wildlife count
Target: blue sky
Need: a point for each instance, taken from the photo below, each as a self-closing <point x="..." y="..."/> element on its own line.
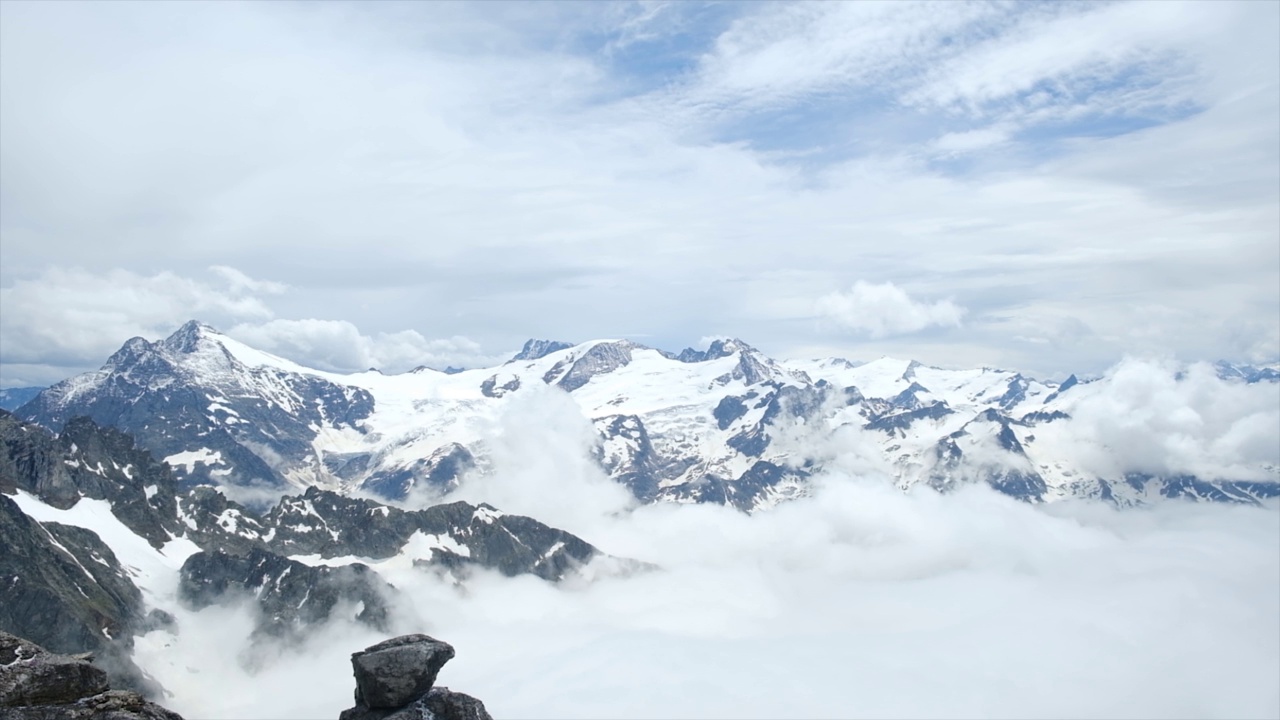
<point x="1043" y="186"/>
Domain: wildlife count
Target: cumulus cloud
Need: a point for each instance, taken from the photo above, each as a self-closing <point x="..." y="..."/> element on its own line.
<point x="339" y="346"/>
<point x="884" y="309"/>
<point x="68" y="320"/>
<point x="540" y="449"/>
<point x="1153" y="416"/>
<point x="77" y="317"/>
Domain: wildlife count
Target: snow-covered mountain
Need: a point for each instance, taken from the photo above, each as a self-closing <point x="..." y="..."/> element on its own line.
<point x="102" y="546"/>
<point x="726" y="424"/>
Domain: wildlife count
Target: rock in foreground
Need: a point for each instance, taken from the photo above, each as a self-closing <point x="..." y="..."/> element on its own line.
<point x="36" y="684"/>
<point x="395" y="681"/>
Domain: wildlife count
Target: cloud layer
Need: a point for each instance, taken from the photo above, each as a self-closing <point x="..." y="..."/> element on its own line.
<point x="663" y="172"/>
<point x="858" y="602"/>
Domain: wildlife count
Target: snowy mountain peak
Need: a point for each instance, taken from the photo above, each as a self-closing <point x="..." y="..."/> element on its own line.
<point x="534" y="349"/>
<point x="718" y="348"/>
<point x="187" y="338"/>
<point x="1247" y="373"/>
<point x="714" y="425"/>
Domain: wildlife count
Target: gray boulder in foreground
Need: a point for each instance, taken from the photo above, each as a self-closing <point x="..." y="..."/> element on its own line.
<point x="36" y="684"/>
<point x="395" y="681"/>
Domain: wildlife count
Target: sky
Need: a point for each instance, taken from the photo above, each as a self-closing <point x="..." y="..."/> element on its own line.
<point x="1046" y="187"/>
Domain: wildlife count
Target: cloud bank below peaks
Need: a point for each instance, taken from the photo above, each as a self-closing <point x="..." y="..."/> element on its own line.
<point x="859" y="601"/>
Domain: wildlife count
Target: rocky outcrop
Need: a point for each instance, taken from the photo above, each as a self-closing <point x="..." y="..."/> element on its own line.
<point x="395" y="680"/>
<point x="36" y="684"/>
<point x="602" y="358"/>
<point x="86" y="460"/>
<point x="291" y="596"/>
<point x="441" y="471"/>
<point x="62" y="586"/>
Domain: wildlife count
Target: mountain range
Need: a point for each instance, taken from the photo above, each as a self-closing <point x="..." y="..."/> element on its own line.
<point x="726" y="424"/>
<point x="195" y="470"/>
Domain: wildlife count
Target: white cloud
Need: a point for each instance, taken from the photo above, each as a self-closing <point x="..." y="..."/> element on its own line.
<point x="498" y="168"/>
<point x="880" y="310"/>
<point x="1151" y="416"/>
<point x="79" y="316"/>
<point x="239" y="282"/>
<point x="339" y="346"/>
<point x="860" y="601"/>
<point x="540" y="449"/>
<point x="68" y="320"/>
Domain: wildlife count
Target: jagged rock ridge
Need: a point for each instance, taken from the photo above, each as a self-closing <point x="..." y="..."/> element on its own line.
<point x="700" y="426"/>
<point x="65" y="587"/>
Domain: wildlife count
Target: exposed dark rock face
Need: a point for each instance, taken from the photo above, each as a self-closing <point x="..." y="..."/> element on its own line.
<point x="332" y="525"/>
<point x="89" y="461"/>
<point x="1066" y="385"/>
<point x="249" y="554"/>
<point x="36" y="684"/>
<point x="490" y="387"/>
<point x="394" y="673"/>
<point x="534" y="349"/>
<point x="1016" y="477"/>
<point x="628" y="456"/>
<point x="395" y="681"/>
<point x="1228" y="371"/>
<point x="63" y="587"/>
<point x="290" y="595"/>
<point x="213" y="522"/>
<point x="441" y="472"/>
<point x="897" y="422"/>
<point x="728" y="410"/>
<point x="600" y="359"/>
<point x="187" y="391"/>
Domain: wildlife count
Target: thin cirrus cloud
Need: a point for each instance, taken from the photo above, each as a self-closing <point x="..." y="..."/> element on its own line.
<point x="884" y="309"/>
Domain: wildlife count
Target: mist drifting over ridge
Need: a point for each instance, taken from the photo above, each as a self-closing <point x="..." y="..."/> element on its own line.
<point x="860" y="600"/>
<point x="979" y="459"/>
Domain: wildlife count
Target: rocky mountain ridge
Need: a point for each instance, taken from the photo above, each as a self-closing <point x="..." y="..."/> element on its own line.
<point x="92" y="526"/>
<point x="726" y="424"/>
<point x="36" y="684"/>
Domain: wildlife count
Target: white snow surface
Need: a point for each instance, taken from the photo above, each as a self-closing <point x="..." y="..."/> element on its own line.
<point x="187" y="459"/>
<point x="418" y="414"/>
<point x="155" y="572"/>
